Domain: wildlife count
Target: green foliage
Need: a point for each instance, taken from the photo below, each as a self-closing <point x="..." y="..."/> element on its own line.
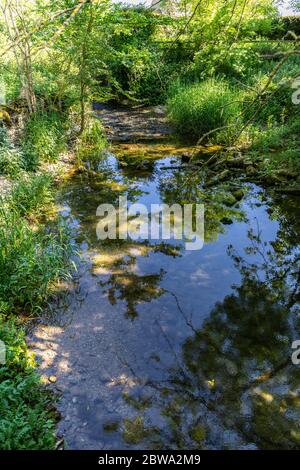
<point x="31" y="260"/>
<point x="135" y="62"/>
<point x="25" y="417"/>
<point x="43" y="139"/>
<point x="3" y="137"/>
<point x="91" y="142"/>
<point x="272" y="143"/>
<point x="231" y="62"/>
<point x="54" y="82"/>
<point x="10" y="78"/>
<point x="10" y="162"/>
<point x="276" y="103"/>
<point x="200" y="108"/>
<point x="32" y="195"/>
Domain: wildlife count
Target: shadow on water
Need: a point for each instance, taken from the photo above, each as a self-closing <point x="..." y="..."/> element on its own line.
<point x="176" y="349"/>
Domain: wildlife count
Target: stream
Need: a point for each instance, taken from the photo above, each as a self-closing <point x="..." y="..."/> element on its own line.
<point x="155" y="346"/>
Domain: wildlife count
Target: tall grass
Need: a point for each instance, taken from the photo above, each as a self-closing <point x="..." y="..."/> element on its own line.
<point x="195" y="110"/>
<point x="31" y="260"/>
<point x="91" y="143"/>
<point x="11" y="160"/>
<point x="44" y="139"/>
<point x="32" y="194"/>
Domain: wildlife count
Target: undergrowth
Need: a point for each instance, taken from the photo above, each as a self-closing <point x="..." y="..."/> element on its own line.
<point x="33" y="258"/>
<point x="26" y="420"/>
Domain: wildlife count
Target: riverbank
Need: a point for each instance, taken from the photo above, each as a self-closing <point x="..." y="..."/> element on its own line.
<point x="35" y="260"/>
<point x="172" y="388"/>
<point x="67" y="347"/>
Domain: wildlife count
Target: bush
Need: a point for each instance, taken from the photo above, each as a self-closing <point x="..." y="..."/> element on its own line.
<point x="4" y="142"/>
<point x="230" y="62"/>
<point x="277" y="105"/>
<point x="91" y="143"/>
<point x="272" y="143"/>
<point x="11" y="162"/>
<point x="31" y="260"/>
<point x="25" y="419"/>
<point x="43" y="140"/>
<point x="32" y="194"/>
<point x="197" y="109"/>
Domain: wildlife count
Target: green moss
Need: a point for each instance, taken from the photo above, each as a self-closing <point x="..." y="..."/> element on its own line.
<point x="198" y="433"/>
<point x="111" y="426"/>
<point x="134" y="430"/>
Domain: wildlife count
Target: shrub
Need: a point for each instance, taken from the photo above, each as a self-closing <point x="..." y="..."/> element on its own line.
<point x="3" y="137"/>
<point x="272" y="143"/>
<point x="229" y="62"/>
<point x="91" y="143"/>
<point x="277" y="104"/>
<point x="32" y="194"/>
<point x="31" y="260"/>
<point x="11" y="162"/>
<point x="43" y="139"/>
<point x="197" y="109"/>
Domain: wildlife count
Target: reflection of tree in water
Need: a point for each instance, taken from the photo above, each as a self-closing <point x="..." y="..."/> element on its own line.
<point x="124" y="284"/>
<point x="221" y="203"/>
<point x="133" y="289"/>
<point x="116" y="256"/>
<point x="88" y="191"/>
<point x="133" y="167"/>
<point x="234" y="384"/>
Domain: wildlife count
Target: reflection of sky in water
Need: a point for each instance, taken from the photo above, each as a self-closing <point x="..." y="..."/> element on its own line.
<point x="145" y="307"/>
<point x="201" y="277"/>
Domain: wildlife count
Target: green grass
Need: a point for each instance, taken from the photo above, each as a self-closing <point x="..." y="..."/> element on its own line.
<point x="32" y="195"/>
<point x="31" y="260"/>
<point x="11" y="161"/>
<point x="26" y="421"/>
<point x="279" y="144"/>
<point x="197" y="109"/>
<point x="44" y="139"/>
<point x="91" y="143"/>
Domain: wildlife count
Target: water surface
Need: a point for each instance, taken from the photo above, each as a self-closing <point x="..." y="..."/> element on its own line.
<point x="159" y="347"/>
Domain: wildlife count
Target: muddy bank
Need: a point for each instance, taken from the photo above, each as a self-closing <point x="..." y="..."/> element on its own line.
<point x="139" y="124"/>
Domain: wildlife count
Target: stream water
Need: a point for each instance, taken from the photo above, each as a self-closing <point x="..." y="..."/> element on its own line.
<point x="159" y="347"/>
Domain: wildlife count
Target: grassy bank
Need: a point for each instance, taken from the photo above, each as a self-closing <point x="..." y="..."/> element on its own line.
<point x="32" y="260"/>
<point x="253" y="114"/>
<point x="197" y="109"/>
<point x="35" y="254"/>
